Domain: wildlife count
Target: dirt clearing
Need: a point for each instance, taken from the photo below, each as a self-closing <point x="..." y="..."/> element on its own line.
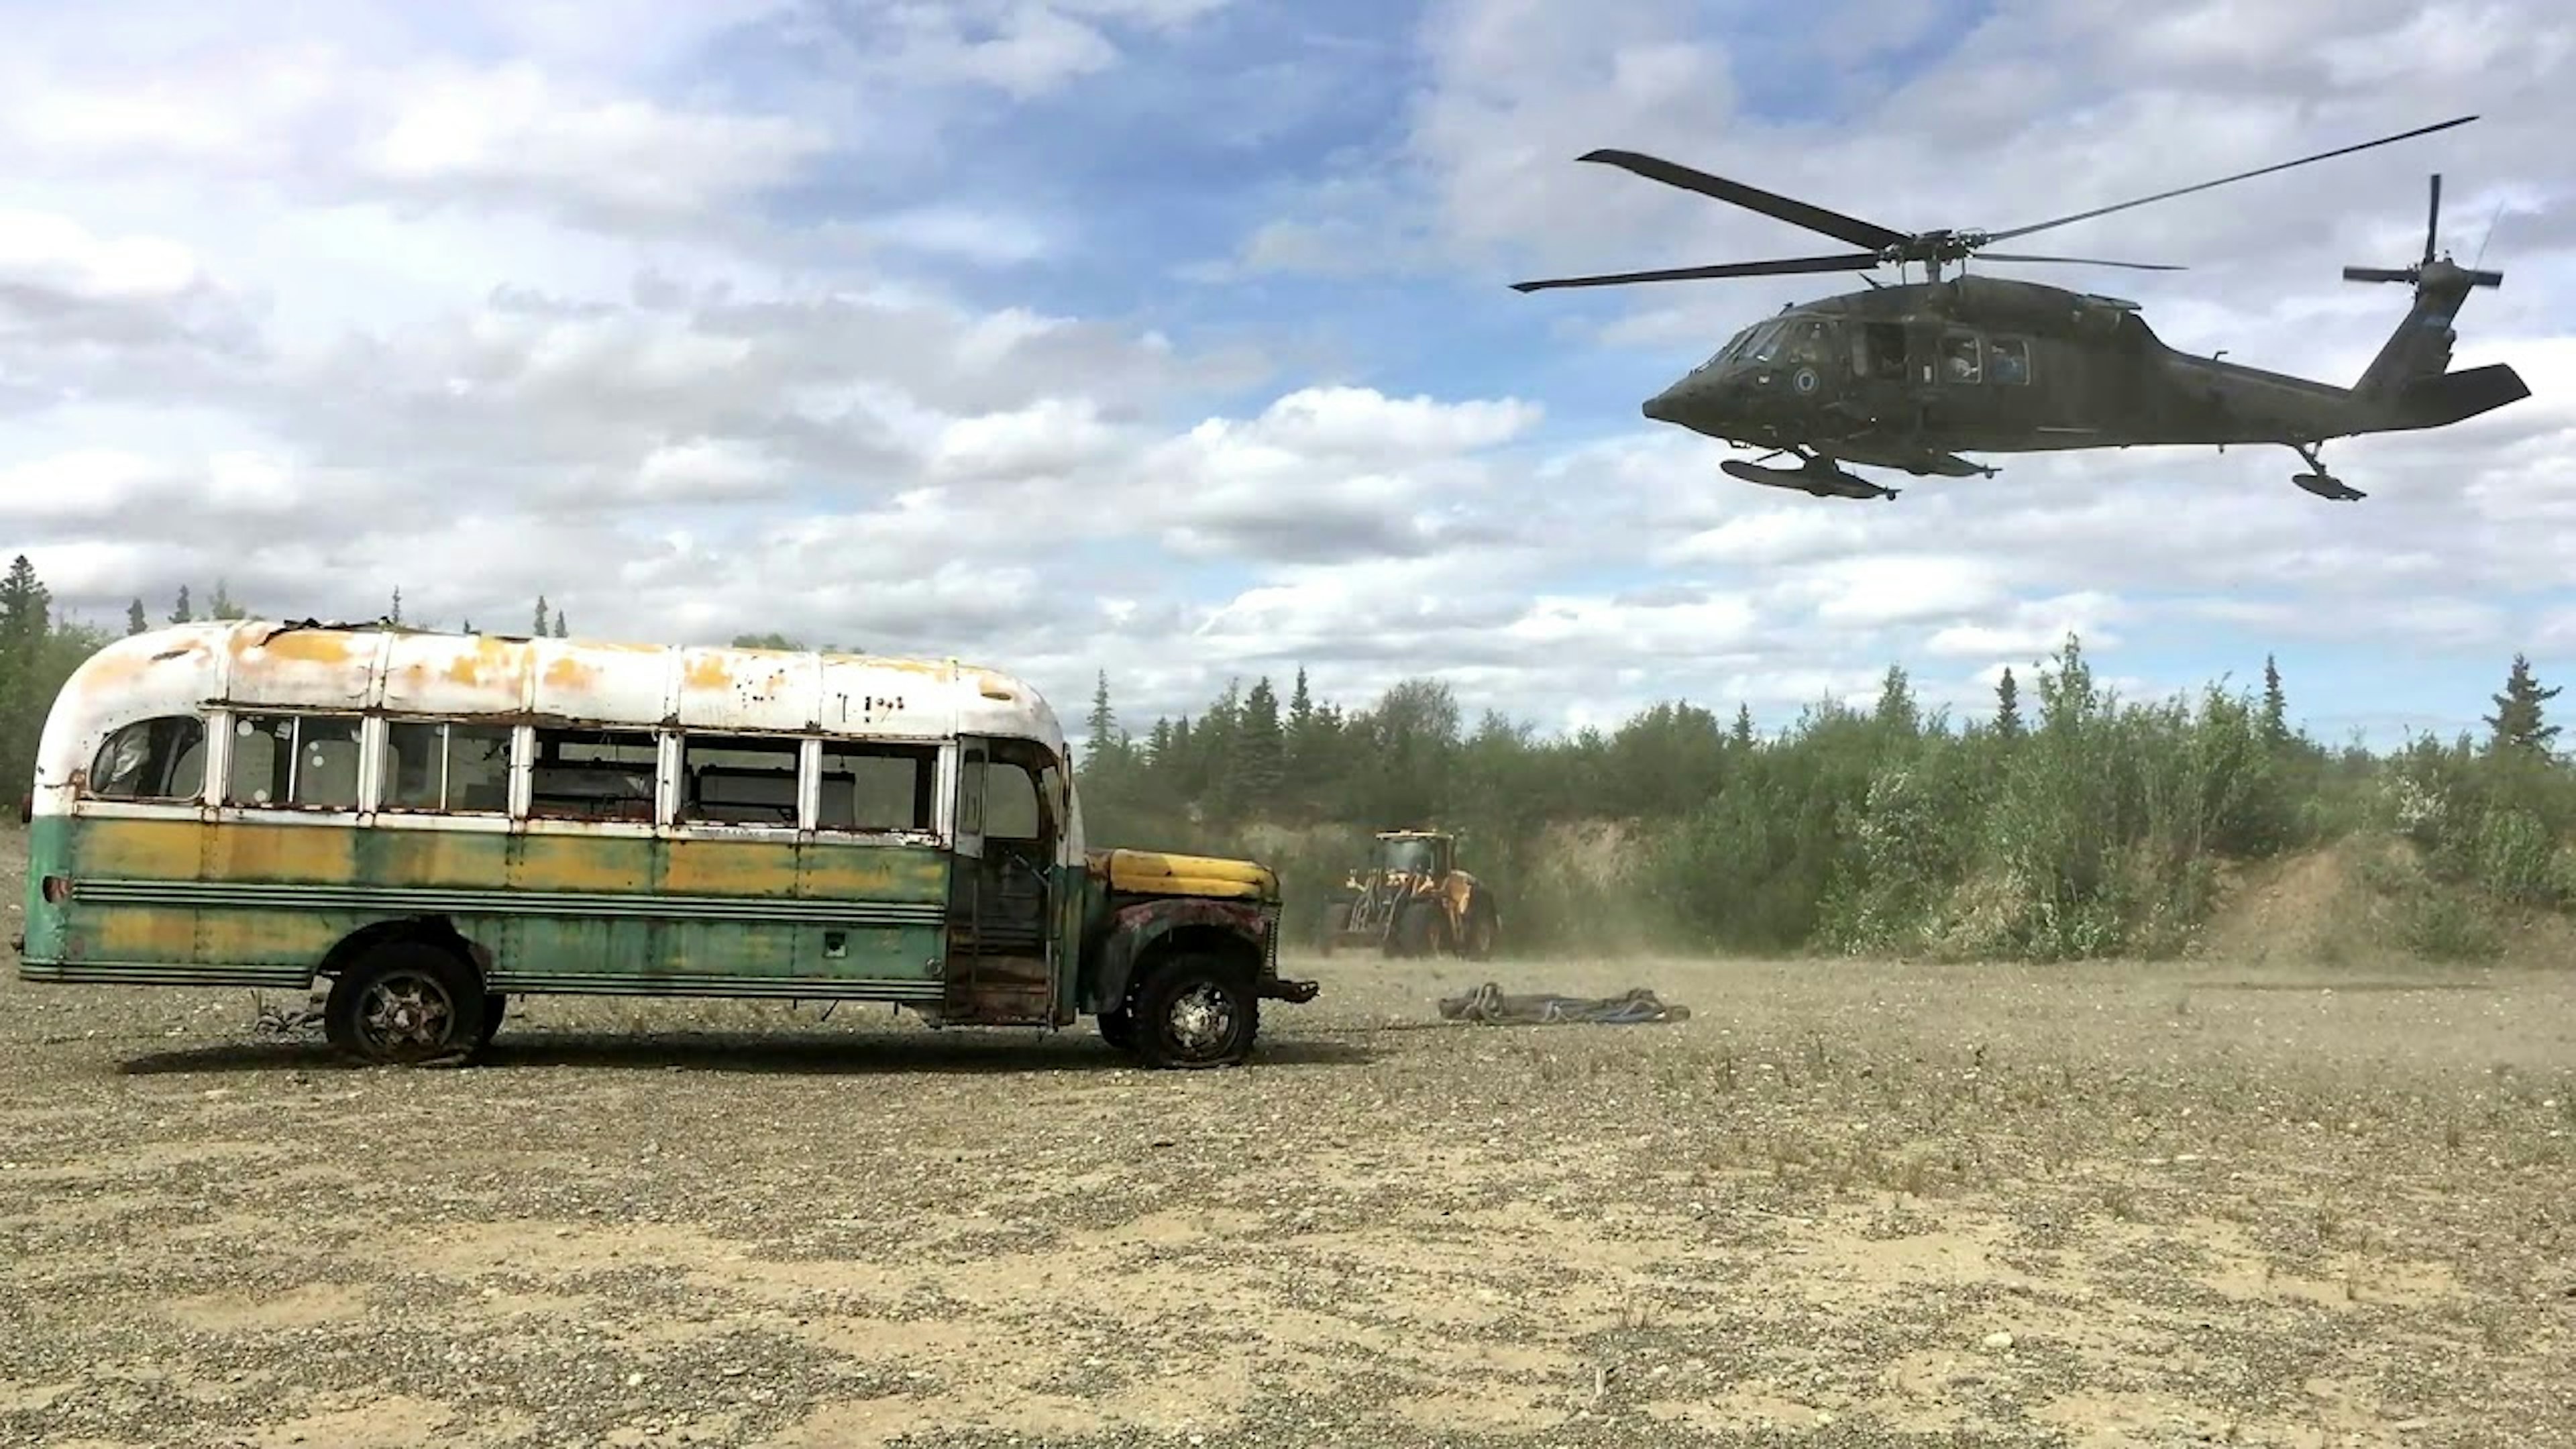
<point x="1842" y="1203"/>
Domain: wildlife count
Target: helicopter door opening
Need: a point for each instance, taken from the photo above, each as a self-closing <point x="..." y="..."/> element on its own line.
<point x="1878" y="351"/>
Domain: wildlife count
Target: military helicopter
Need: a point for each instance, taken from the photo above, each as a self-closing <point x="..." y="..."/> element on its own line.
<point x="1911" y="375"/>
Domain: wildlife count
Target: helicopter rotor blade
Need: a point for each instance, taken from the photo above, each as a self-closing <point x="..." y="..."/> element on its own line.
<point x="2080" y="261"/>
<point x="2224" y="180"/>
<point x="2432" y="218"/>
<point x="1782" y="267"/>
<point x="1797" y="213"/>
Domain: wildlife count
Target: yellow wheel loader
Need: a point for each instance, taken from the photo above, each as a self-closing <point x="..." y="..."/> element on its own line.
<point x="1413" y="900"/>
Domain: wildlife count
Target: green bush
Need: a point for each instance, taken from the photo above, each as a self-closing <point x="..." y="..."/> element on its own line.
<point x="2095" y="827"/>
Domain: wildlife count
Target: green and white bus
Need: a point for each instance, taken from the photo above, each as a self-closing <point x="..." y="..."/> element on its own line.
<point x="437" y="822"/>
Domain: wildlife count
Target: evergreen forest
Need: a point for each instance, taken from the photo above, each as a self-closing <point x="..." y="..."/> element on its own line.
<point x="2063" y="822"/>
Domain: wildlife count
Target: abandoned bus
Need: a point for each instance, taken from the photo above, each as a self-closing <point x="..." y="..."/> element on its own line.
<point x="437" y="822"/>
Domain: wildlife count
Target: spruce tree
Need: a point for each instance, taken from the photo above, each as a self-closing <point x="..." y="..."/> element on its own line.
<point x="25" y="612"/>
<point x="1104" y="754"/>
<point x="1260" y="753"/>
<point x="2276" y="706"/>
<point x="182" y="614"/>
<point x="2008" y="706"/>
<point x="1102" y="723"/>
<point x="1741" y="736"/>
<point x="541" y="630"/>
<point x="135" y="621"/>
<point x="2518" y="723"/>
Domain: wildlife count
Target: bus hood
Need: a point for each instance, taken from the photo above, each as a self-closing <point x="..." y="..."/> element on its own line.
<point x="1159" y="873"/>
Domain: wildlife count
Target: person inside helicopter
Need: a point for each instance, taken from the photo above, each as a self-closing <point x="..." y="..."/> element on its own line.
<point x="1959" y="358"/>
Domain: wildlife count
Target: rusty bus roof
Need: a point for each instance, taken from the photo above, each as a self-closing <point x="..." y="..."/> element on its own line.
<point x="253" y="663"/>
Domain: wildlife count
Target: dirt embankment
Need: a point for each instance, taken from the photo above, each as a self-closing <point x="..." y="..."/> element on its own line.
<point x="2368" y="901"/>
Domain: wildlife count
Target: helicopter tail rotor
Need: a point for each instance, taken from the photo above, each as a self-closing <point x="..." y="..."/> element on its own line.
<point x="2430" y="263"/>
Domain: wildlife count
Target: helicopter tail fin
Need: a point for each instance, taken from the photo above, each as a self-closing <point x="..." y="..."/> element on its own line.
<point x="2420" y="349"/>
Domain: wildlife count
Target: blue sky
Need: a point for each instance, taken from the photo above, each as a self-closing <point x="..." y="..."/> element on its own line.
<point x="1173" y="337"/>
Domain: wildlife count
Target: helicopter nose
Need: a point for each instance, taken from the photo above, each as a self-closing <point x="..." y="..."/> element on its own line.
<point x="1666" y="406"/>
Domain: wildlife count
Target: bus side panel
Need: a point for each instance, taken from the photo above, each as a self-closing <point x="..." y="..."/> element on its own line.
<point x="275" y="898"/>
<point x="890" y="916"/>
<point x="49" y="840"/>
<point x="181" y="902"/>
<point x="583" y="916"/>
<point x="739" y="922"/>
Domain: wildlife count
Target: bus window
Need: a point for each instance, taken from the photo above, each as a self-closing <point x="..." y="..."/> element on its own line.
<point x="1011" y="802"/>
<point x="877" y="787"/>
<point x="307" y="762"/>
<point x="152" y="759"/>
<point x="457" y="769"/>
<point x="593" y="774"/>
<point x="738" y="780"/>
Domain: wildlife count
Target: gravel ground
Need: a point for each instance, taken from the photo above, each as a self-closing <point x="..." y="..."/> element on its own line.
<point x="1842" y="1204"/>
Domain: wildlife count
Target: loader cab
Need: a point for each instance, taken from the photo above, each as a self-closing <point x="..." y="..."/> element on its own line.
<point x="1424" y="855"/>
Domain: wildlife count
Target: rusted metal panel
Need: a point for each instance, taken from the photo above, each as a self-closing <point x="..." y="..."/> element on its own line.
<point x="749" y="690"/>
<point x="1134" y="930"/>
<point x="167" y="671"/>
<point x="294" y="667"/>
<point x="574" y="680"/>
<point x="268" y="664"/>
<point x="439" y="674"/>
<point x="886" y="697"/>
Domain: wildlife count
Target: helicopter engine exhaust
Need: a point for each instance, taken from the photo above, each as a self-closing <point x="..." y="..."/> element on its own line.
<point x="1818" y="479"/>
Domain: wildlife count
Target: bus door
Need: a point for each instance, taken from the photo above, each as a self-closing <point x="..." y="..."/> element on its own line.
<point x="1002" y="951"/>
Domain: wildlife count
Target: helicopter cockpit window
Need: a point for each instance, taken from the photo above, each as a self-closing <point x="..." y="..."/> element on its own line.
<point x="1734" y="348"/>
<point x="2008" y="360"/>
<point x="1765" y="346"/>
<point x="1960" y="361"/>
<point x="1806" y="341"/>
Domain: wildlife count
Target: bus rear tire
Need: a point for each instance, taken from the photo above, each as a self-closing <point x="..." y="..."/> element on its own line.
<point x="405" y="1002"/>
<point x="1196" y="1010"/>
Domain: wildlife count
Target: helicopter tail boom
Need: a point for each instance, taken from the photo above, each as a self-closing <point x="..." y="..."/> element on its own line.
<point x="2452" y="397"/>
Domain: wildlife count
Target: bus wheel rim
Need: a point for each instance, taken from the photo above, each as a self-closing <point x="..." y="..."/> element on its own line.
<point x="406" y="1009"/>
<point x="1201" y="1019"/>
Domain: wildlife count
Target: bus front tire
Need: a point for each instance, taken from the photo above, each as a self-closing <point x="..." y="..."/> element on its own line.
<point x="406" y="1002"/>
<point x="1196" y="1010"/>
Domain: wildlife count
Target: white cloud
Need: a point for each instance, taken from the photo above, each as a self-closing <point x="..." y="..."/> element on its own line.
<point x="500" y="301"/>
<point x="58" y="254"/>
<point x="509" y="130"/>
<point x="2033" y="627"/>
<point x="709" y="470"/>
